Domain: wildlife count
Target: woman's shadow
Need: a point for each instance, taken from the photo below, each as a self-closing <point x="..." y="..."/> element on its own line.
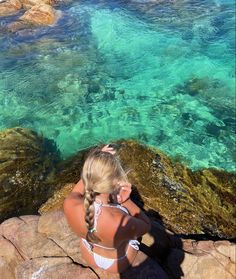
<point x="156" y="250"/>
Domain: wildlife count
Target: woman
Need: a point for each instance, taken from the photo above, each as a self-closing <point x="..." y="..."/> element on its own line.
<point x="100" y="211"/>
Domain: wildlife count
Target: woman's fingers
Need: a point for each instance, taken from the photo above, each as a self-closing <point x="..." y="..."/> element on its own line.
<point x="108" y="149"/>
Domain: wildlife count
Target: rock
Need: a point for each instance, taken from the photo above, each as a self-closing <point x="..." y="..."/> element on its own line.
<point x="53" y="268"/>
<point x="27" y="165"/>
<point x="195" y="86"/>
<point x="188" y="202"/>
<point x="34" y="246"/>
<point x="56" y="201"/>
<point x="27" y="4"/>
<point x="9" y="258"/>
<point x="10" y="7"/>
<point x="28" y="241"/>
<point x="227" y="249"/>
<point x="55" y="227"/>
<point x="18" y="25"/>
<point x="41" y="14"/>
<point x="196" y="264"/>
<point x="22" y="254"/>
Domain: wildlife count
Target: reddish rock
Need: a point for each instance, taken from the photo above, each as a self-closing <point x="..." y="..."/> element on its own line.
<point x="54" y="226"/>
<point x="189" y="245"/>
<point x="28" y="241"/>
<point x="41" y="14"/>
<point x="205" y="246"/>
<point x="5" y="269"/>
<point x="9" y="258"/>
<point x="45" y="247"/>
<point x="10" y="227"/>
<point x="226" y="248"/>
<point x="53" y="268"/>
<point x="207" y="267"/>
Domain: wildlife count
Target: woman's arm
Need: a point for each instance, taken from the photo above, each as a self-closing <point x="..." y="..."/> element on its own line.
<point x="75" y="196"/>
<point x="136" y="212"/>
<point x="123" y="197"/>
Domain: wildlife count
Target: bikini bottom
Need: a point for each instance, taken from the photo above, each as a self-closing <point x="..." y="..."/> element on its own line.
<point x="104" y="262"/>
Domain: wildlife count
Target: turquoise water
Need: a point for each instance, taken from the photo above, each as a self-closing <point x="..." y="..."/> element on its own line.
<point x="160" y="73"/>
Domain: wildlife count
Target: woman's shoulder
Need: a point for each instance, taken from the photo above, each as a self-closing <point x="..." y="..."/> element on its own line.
<point x="72" y="200"/>
<point x="112" y="224"/>
<point x="74" y="212"/>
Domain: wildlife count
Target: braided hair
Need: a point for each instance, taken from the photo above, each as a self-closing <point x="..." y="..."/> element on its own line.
<point x="89" y="215"/>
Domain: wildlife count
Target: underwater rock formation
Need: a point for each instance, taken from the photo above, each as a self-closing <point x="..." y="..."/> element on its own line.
<point x="213" y="92"/>
<point x="188" y="202"/>
<point x="27" y="166"/>
<point x="45" y="247"/>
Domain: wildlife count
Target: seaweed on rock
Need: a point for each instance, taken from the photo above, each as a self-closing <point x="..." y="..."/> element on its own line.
<point x="27" y="167"/>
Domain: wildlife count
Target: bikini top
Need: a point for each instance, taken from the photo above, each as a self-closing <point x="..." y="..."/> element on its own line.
<point x="97" y="211"/>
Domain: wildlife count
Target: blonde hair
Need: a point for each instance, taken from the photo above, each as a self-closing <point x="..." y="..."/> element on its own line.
<point x="101" y="173"/>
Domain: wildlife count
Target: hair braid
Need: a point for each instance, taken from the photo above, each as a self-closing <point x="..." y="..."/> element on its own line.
<point x="89" y="214"/>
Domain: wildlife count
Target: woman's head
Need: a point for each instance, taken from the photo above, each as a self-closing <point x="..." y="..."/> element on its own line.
<point x="101" y="174"/>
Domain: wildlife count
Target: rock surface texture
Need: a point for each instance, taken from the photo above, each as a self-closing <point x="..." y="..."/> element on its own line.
<point x="10" y="7"/>
<point x="44" y="247"/>
<point x="38" y="12"/>
<point x="27" y="165"/>
<point x="188" y="202"/>
<point x="42" y="14"/>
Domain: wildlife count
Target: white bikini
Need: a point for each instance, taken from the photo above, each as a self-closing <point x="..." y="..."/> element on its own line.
<point x="102" y="261"/>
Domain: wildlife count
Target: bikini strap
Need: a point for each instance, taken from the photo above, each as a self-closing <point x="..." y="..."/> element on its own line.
<point x="97" y="212"/>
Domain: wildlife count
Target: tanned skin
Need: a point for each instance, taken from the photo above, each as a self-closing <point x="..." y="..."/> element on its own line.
<point x="114" y="228"/>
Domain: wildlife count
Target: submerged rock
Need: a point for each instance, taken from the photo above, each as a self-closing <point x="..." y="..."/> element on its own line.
<point x="45" y="247"/>
<point x="188" y="202"/>
<point x="27" y="164"/>
<point x="194" y="86"/>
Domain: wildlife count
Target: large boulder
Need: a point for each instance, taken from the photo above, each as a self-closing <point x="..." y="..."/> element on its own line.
<point x="10" y="7"/>
<point x="27" y="167"/>
<point x="41" y="14"/>
<point x="188" y="202"/>
<point x="27" y="4"/>
<point x="45" y="247"/>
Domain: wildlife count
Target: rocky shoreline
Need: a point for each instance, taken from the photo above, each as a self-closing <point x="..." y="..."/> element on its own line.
<point x="44" y="247"/>
<point x="182" y="202"/>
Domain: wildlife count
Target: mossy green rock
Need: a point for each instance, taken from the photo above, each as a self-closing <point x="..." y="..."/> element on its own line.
<point x="27" y="163"/>
<point x="188" y="202"/>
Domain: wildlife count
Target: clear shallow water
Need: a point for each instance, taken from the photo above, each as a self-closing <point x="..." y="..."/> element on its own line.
<point x="163" y="74"/>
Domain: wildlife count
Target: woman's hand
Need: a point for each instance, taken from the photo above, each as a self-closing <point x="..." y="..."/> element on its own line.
<point x="124" y="193"/>
<point x="108" y="149"/>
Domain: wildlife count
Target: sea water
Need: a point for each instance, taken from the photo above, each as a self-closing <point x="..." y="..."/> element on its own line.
<point x="161" y="73"/>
